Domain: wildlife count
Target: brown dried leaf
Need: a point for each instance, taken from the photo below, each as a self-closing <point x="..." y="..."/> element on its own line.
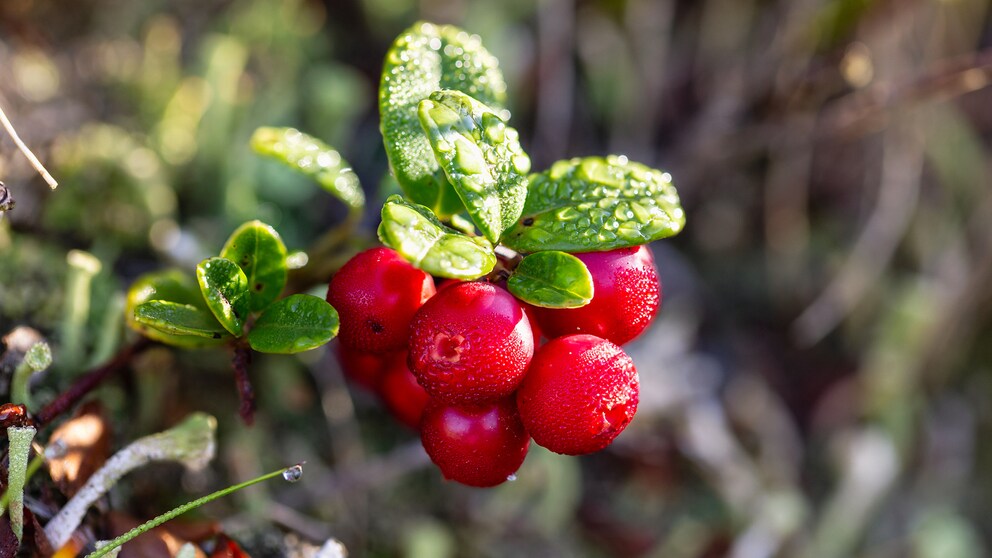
<point x="86" y="437"/>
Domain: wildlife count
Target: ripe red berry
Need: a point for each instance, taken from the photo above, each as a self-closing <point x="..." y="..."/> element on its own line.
<point x="363" y="368"/>
<point x="534" y="327"/>
<point x="626" y="297"/>
<point x="401" y="393"/>
<point x="376" y="294"/>
<point x="580" y="393"/>
<point x="470" y="344"/>
<point x="479" y="445"/>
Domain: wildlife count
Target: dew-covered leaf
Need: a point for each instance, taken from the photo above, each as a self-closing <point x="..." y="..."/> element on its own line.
<point x="179" y="319"/>
<point x="552" y="279"/>
<point x="424" y="59"/>
<point x="480" y="155"/>
<point x="258" y="250"/>
<point x="313" y="158"/>
<point x="297" y="323"/>
<point x="172" y="286"/>
<point x="225" y="289"/>
<point x="417" y="234"/>
<point x="595" y="204"/>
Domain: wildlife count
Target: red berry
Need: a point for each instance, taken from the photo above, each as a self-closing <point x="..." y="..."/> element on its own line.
<point x="363" y="368"/>
<point x="478" y="445"/>
<point x="534" y="327"/>
<point x="401" y="393"/>
<point x="626" y="297"/>
<point x="470" y="344"/>
<point x="580" y="393"/>
<point x="376" y="294"/>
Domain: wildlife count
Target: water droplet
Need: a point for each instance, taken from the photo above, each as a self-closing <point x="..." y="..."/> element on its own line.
<point x="521" y="163"/>
<point x="293" y="473"/>
<point x="511" y="477"/>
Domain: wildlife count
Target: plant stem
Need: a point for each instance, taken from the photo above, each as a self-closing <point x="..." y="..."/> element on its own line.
<point x="83" y="266"/>
<point x="176" y="512"/>
<point x="91" y="380"/>
<point x="246" y="394"/>
<point x="37" y="359"/>
<point x="20" y="446"/>
<point x="33" y="466"/>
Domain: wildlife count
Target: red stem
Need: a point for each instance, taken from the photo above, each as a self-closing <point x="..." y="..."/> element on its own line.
<point x="240" y="363"/>
<point x="89" y="381"/>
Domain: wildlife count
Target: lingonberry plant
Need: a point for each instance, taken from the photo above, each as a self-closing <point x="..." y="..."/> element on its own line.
<point x="563" y="249"/>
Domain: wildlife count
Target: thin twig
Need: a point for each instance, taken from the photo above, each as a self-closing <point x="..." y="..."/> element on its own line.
<point x="52" y="183"/>
<point x="246" y="394"/>
<point x="90" y="381"/>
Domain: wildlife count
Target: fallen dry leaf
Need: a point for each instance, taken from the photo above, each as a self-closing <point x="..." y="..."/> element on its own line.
<point x="86" y="437"/>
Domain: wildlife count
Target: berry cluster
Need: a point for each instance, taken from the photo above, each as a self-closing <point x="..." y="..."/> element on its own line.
<point x="463" y="363"/>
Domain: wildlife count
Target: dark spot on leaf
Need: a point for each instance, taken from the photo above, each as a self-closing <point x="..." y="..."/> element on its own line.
<point x="258" y="287"/>
<point x="245" y="261"/>
<point x="528" y="221"/>
<point x="216" y="336"/>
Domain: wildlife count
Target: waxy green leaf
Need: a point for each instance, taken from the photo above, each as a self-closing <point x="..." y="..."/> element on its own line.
<point x="596" y="204"/>
<point x="551" y="280"/>
<point x="424" y="59"/>
<point x="171" y="286"/>
<point x="313" y="158"/>
<point x="417" y="234"/>
<point x="225" y="289"/>
<point x="179" y="319"/>
<point x="480" y="155"/>
<point x="258" y="250"/>
<point x="297" y="323"/>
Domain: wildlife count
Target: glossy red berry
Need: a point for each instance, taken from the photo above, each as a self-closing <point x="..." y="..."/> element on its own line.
<point x="401" y="393"/>
<point x="470" y="344"/>
<point x="479" y="445"/>
<point x="364" y="369"/>
<point x="534" y="327"/>
<point x="376" y="295"/>
<point x="580" y="393"/>
<point x="626" y="297"/>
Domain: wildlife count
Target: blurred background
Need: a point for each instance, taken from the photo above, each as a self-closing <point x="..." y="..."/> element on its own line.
<point x="817" y="383"/>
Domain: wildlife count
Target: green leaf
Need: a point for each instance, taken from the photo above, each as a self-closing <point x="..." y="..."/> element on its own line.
<point x="480" y="155"/>
<point x="596" y="204"/>
<point x="313" y="158"/>
<point x="552" y="280"/>
<point x="257" y="248"/>
<point x="225" y="289"/>
<point x="296" y="323"/>
<point x="424" y="59"/>
<point x="417" y="234"/>
<point x="171" y="286"/>
<point x="179" y="319"/>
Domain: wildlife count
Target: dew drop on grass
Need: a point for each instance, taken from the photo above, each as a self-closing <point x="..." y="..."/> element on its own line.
<point x="293" y="473"/>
